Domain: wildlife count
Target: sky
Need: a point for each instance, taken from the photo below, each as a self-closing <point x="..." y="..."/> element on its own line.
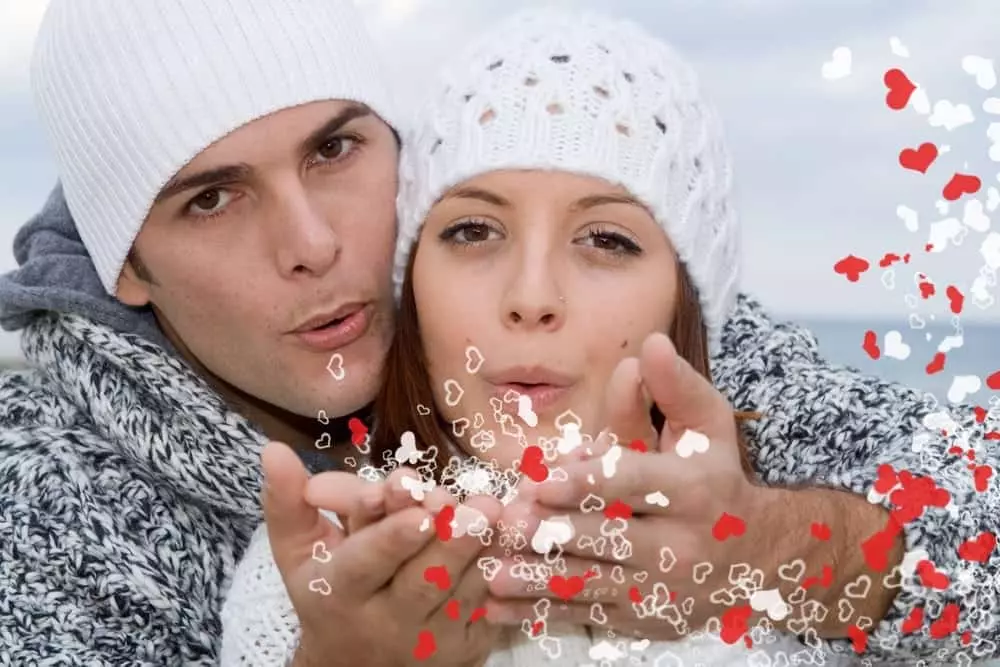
<point x="817" y="159"/>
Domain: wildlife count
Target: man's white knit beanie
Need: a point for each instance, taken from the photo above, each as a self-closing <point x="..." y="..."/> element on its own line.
<point x="588" y="94"/>
<point x="129" y="91"/>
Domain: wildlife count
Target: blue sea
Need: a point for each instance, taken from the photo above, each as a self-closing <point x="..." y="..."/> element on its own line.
<point x="841" y="342"/>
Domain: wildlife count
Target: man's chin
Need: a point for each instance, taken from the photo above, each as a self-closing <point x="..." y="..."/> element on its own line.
<point x="336" y="399"/>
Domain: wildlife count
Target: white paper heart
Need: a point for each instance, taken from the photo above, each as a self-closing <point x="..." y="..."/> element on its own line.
<point x="473" y="360"/>
<point x="320" y="553"/>
<point x="321" y="586"/>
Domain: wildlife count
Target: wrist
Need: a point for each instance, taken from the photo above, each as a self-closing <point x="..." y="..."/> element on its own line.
<point x="787" y="554"/>
<point x="828" y="562"/>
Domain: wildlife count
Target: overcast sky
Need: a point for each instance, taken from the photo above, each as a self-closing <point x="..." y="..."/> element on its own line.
<point x="817" y="159"/>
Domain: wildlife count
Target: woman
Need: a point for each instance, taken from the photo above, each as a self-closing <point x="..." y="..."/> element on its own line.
<point x="564" y="196"/>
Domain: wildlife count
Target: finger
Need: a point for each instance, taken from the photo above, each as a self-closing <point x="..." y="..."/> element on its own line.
<point x="614" y="538"/>
<point x="367" y="561"/>
<point x="522" y="518"/>
<point x="428" y="577"/>
<point x="338" y="492"/>
<point x="627" y="408"/>
<point x="581" y="580"/>
<point x="516" y="612"/>
<point x="369" y="507"/>
<point x="467" y="600"/>
<point x="400" y="497"/>
<point x="438" y="498"/>
<point x="588" y="483"/>
<point x="687" y="399"/>
<point x="293" y="525"/>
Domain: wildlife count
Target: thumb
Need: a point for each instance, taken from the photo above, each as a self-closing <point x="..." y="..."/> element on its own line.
<point x="293" y="525"/>
<point x="687" y="399"/>
<point x="627" y="408"/>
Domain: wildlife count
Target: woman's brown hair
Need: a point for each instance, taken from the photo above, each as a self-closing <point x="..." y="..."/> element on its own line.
<point x="407" y="383"/>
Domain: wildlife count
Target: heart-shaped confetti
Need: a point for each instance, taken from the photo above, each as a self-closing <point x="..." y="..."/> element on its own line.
<point x="321" y="586"/>
<point x="473" y="360"/>
<point x="336" y="367"/>
<point x="426" y="645"/>
<point x="533" y="464"/>
<point x="900" y="89"/>
<point x="919" y="159"/>
<point x="320" y="553"/>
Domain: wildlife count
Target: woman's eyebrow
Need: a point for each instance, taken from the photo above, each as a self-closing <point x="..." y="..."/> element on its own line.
<point x="476" y="193"/>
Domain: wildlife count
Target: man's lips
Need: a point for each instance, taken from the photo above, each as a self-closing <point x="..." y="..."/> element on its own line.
<point x="327" y="317"/>
<point x="337" y="332"/>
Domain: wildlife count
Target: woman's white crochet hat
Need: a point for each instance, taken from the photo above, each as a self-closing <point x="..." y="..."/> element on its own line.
<point x="588" y="94"/>
<point x="129" y="91"/>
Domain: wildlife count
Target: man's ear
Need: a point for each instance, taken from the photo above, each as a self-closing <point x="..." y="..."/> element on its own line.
<point x="132" y="290"/>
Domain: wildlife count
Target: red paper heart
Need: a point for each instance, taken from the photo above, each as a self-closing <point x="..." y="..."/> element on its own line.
<point x="426" y="645"/>
<point x="888" y="260"/>
<point x="979" y="549"/>
<point x="851" y="267"/>
<point x="453" y="610"/>
<point x="438" y="575"/>
<point x="937" y="364"/>
<point x="858" y="637"/>
<point x="886" y="479"/>
<point x="870" y="345"/>
<point x="618" y="510"/>
<point x="359" y="432"/>
<point x="955" y="299"/>
<point x="900" y="89"/>
<point x="728" y="526"/>
<point x="566" y="588"/>
<point x="442" y="522"/>
<point x="914" y="621"/>
<point x="821" y="531"/>
<point x="930" y="577"/>
<point x="961" y="184"/>
<point x="981" y="476"/>
<point x="638" y="446"/>
<point x="919" y="159"/>
<point x="947" y="623"/>
<point x="734" y="623"/>
<point x="532" y="464"/>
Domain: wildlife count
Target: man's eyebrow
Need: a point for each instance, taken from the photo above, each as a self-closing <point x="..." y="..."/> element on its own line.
<point x="226" y="174"/>
<point x="345" y="116"/>
<point x="592" y="201"/>
<point x="239" y="172"/>
<point x="476" y="193"/>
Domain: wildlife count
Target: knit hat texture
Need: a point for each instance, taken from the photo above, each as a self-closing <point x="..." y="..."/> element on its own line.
<point x="129" y="91"/>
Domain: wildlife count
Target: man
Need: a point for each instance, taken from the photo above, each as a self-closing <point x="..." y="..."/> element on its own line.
<point x="212" y="273"/>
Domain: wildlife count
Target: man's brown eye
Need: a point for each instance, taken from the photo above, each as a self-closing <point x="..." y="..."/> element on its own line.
<point x="207" y="200"/>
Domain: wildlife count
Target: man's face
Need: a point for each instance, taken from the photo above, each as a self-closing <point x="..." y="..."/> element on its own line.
<point x="266" y="238"/>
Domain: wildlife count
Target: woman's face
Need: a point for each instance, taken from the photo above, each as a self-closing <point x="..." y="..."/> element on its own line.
<point x="536" y="284"/>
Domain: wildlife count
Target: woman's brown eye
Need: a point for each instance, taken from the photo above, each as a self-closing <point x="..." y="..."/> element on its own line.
<point x="476" y="233"/>
<point x="332" y="149"/>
